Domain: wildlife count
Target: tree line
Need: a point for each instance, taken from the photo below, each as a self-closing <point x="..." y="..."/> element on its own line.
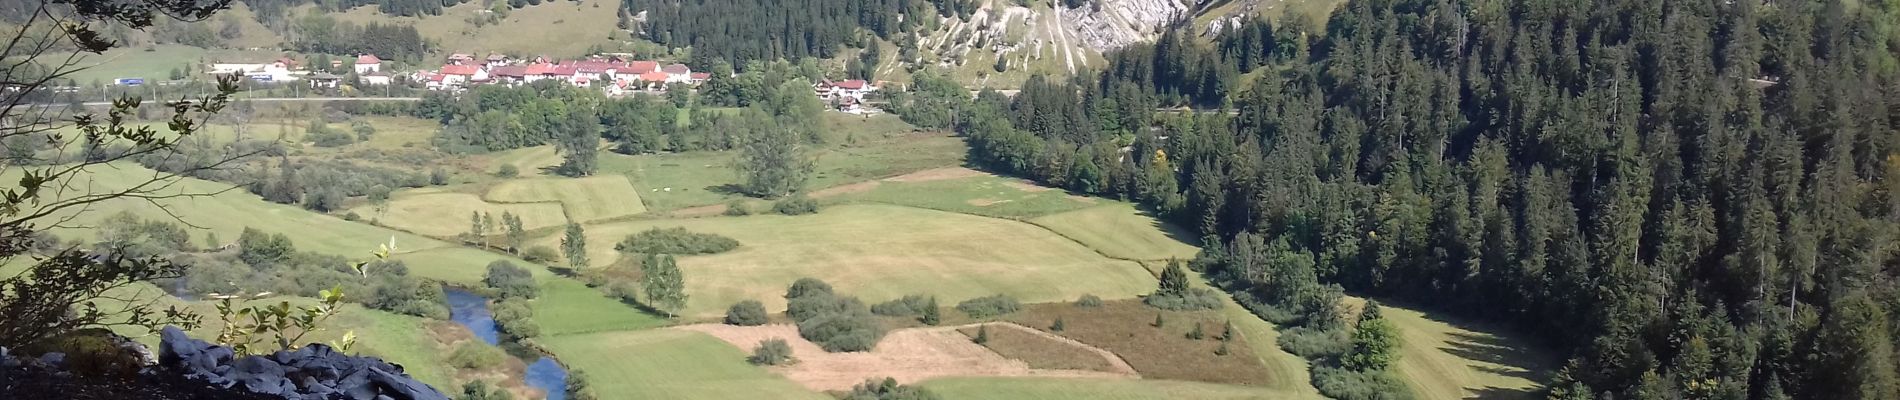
<point x="1688" y="199"/>
<point x="737" y="31"/>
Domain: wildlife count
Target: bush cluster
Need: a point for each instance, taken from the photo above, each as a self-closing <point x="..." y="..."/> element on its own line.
<point x="510" y="280"/>
<point x="1175" y="294"/>
<point x="1088" y="301"/>
<point x="1315" y="344"/>
<point x="989" y="306"/>
<point x="834" y="323"/>
<point x="888" y="389"/>
<point x="911" y="305"/>
<point x="677" y="241"/>
<point x="1347" y="384"/>
<point x="746" y="313"/>
<point x="270" y="263"/>
<point x="772" y="351"/>
<point x="1189" y="300"/>
<point x="514" y="319"/>
<point x="795" y="205"/>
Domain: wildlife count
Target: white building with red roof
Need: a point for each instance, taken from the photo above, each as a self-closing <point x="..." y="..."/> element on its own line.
<point x="367" y="63"/>
<point x="462" y="75"/>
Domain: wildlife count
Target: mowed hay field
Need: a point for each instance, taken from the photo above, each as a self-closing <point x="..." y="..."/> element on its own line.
<point x="1119" y="230"/>
<point x="878" y="253"/>
<point x="669" y="364"/>
<point x="584" y="199"/>
<point x="567" y="306"/>
<point x="445" y="214"/>
<point x="1443" y="360"/>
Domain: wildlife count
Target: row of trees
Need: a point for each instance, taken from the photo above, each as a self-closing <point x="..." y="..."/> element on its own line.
<point x="1687" y="198"/>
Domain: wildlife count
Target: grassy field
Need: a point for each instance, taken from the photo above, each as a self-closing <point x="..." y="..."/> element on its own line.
<point x="130" y="62"/>
<point x="585" y="199"/>
<point x="1119" y="230"/>
<point x="986" y="195"/>
<point x="1446" y="360"/>
<point x="865" y="251"/>
<point x="1091" y="389"/>
<point x="218" y="208"/>
<point x="669" y="364"/>
<point x="579" y="25"/>
<point x="528" y="160"/>
<point x="215" y="208"/>
<point x="446" y="214"/>
<point x="673" y="181"/>
<point x="568" y="307"/>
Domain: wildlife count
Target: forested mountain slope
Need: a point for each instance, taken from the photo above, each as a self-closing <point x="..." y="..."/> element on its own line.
<point x="1694" y="199"/>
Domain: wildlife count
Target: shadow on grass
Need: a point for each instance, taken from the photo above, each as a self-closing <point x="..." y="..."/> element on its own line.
<point x="1492" y="350"/>
<point x="1173" y="231"/>
<point x="1497" y="393"/>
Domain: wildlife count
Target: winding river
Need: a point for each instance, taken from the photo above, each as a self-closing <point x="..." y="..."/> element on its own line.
<point x="471" y="310"/>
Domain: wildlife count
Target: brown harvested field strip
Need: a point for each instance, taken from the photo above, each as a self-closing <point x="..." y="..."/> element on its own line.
<point x="937" y="174"/>
<point x="1125" y="328"/>
<point x="908" y="355"/>
<point x="1043" y="350"/>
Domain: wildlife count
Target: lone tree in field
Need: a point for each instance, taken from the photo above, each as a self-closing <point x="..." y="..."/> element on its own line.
<point x="665" y="288"/>
<point x="59" y="288"/>
<point x="574" y="246"/>
<point x="579" y="142"/>
<point x="772" y="164"/>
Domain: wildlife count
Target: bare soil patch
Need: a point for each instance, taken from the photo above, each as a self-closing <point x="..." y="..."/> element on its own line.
<point x="908" y="355"/>
<point x="937" y="174"/>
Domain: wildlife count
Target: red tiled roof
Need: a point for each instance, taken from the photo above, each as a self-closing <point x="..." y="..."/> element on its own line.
<point x="468" y="70"/>
<point x="702" y="75"/>
<point x="654" y="76"/>
<point x="368" y="59"/>
<point x="515" y="71"/>
<point x="538" y="69"/>
<point x="677" y="69"/>
<point x="594" y="66"/>
<point x="641" y="67"/>
<point x="853" y="84"/>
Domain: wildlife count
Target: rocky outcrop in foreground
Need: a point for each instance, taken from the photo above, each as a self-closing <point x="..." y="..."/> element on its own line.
<point x="188" y="368"/>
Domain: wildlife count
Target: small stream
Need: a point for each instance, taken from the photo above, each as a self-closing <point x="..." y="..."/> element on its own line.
<point x="471" y="310"/>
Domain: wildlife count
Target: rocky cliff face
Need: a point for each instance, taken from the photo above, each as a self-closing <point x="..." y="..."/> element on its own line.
<point x="1110" y="24"/>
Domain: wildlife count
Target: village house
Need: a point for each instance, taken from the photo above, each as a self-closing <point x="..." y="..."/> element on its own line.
<point x="274" y="71"/>
<point x="460" y="59"/>
<point x="374" y="78"/>
<point x="496" y="60"/>
<point x="367" y="63"/>
<point x="462" y="75"/>
<point x="854" y="88"/>
<point x="678" y="73"/>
